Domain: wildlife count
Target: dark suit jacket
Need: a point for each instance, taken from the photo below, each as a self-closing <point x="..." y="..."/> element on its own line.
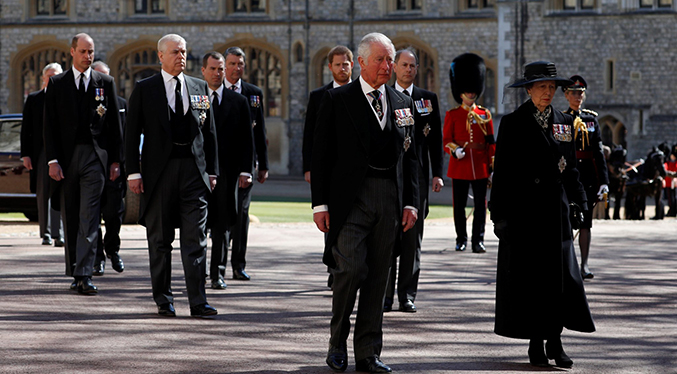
<point x="31" y="131"/>
<point x="259" y="128"/>
<point x="61" y="119"/>
<point x="236" y="155"/>
<point x="428" y="148"/>
<point x="149" y="115"/>
<point x="341" y="151"/>
<point x="311" y="117"/>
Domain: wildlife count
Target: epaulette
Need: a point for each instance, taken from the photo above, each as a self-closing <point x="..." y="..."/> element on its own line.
<point x="456" y="107"/>
<point x="483" y="108"/>
<point x="592" y="112"/>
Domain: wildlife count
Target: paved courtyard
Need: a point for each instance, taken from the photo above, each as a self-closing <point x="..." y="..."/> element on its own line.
<point x="279" y="321"/>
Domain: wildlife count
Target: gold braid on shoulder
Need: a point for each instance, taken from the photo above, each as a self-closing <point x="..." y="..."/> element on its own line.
<point x="579" y="125"/>
<point x="480" y="121"/>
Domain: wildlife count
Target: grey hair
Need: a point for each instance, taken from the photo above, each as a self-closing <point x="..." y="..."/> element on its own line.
<point x="235" y="51"/>
<point x="55" y="66"/>
<point x="100" y="63"/>
<point x="169" y="37"/>
<point x="364" y="49"/>
<point x="398" y="53"/>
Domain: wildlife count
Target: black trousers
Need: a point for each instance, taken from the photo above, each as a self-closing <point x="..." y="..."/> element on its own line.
<point x="112" y="210"/>
<point x="460" y="198"/>
<point x="240" y="231"/>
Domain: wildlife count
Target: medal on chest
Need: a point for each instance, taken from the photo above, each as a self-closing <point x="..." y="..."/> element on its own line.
<point x="561" y="132"/>
<point x="101" y="110"/>
<point x="202" y="104"/>
<point x="426" y="130"/>
<point x="98" y="94"/>
<point x="254" y="101"/>
<point x="562" y="164"/>
<point x="407" y="143"/>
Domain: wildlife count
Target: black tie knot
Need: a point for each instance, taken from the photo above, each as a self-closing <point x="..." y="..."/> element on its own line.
<point x="406" y="93"/>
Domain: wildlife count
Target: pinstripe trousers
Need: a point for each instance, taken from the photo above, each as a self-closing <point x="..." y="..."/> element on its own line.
<point x="180" y="193"/>
<point x="363" y="253"/>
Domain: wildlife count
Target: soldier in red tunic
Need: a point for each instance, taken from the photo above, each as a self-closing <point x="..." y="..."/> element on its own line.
<point x="468" y="136"/>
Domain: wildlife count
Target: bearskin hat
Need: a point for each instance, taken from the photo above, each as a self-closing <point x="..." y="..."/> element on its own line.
<point x="467" y="73"/>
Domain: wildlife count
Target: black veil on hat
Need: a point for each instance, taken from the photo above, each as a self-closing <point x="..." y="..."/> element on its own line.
<point x="539" y="71"/>
<point x="466" y="74"/>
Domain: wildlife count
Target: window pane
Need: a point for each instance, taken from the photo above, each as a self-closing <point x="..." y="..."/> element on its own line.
<point x="472" y="4"/>
<point x="401" y="5"/>
<point x="489" y="3"/>
<point x="326" y="73"/>
<point x="646" y="3"/>
<point x="158" y="6"/>
<point x="416" y="4"/>
<point x="241" y="6"/>
<point x="569" y="4"/>
<point x="140" y="6"/>
<point x="258" y="5"/>
<point x="42" y="7"/>
<point x="587" y="4"/>
<point x="60" y="6"/>
<point x="665" y="3"/>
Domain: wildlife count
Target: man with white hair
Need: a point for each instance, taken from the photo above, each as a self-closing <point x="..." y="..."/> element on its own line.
<point x="33" y="154"/>
<point x="364" y="176"/>
<point x="178" y="168"/>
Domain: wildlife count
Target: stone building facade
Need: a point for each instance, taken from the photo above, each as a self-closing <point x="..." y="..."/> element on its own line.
<point x="624" y="48"/>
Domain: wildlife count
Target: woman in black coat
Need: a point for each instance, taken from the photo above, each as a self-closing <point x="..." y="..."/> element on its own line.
<point x="539" y="289"/>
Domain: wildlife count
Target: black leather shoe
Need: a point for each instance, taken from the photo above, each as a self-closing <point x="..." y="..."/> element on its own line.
<point x="372" y="365"/>
<point x="74" y="285"/>
<point x="219" y="284"/>
<point x="166" y="310"/>
<point x="387" y="308"/>
<point x="554" y="351"/>
<point x="408" y="307"/>
<point x="203" y="310"/>
<point x="337" y="358"/>
<point x="537" y="353"/>
<point x="85" y="287"/>
<point x="478" y="248"/>
<point x="587" y="275"/>
<point x="460" y="247"/>
<point x="330" y="281"/>
<point x="240" y="274"/>
<point x="99" y="268"/>
<point x="116" y="263"/>
<point x="59" y="243"/>
<point x="46" y="240"/>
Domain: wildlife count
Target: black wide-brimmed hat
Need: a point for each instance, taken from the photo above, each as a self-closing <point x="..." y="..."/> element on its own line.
<point x="540" y="71"/>
<point x="579" y="84"/>
<point x="466" y="74"/>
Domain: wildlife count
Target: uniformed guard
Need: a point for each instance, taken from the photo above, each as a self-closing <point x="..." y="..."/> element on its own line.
<point x="468" y="136"/>
<point x="591" y="161"/>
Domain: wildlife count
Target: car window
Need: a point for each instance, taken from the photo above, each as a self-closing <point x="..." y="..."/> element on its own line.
<point x="10" y="136"/>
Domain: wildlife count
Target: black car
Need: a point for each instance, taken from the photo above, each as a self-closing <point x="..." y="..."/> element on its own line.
<point x="15" y="191"/>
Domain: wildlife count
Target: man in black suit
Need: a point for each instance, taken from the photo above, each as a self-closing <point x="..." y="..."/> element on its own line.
<point x="340" y="63"/>
<point x="180" y="165"/>
<point x="236" y="151"/>
<point x="33" y="154"/>
<point x="112" y="202"/>
<point x="364" y="172"/>
<point x="428" y="136"/>
<point x="235" y="64"/>
<point x="83" y="140"/>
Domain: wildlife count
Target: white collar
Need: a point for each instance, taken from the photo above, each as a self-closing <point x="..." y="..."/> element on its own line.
<point x="410" y="89"/>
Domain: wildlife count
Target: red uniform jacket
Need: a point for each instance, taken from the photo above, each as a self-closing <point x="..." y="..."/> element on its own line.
<point x="461" y="129"/>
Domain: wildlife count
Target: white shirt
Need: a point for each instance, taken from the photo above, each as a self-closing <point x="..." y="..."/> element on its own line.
<point x="170" y="88"/>
<point x="367" y="88"/>
<point x="410" y="89"/>
<point x="237" y="84"/>
<point x="87" y="77"/>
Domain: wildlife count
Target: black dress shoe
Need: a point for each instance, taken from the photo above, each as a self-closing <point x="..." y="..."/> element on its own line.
<point x="99" y="268"/>
<point x="408" y="307"/>
<point x="219" y="284"/>
<point x="387" y="308"/>
<point x="460" y="247"/>
<point x="59" y="243"/>
<point x="478" y="248"/>
<point x="203" y="310"/>
<point x="537" y="353"/>
<point x="372" y="365"/>
<point x="116" y="263"/>
<point x="166" y="310"/>
<point x="85" y="287"/>
<point x="587" y="275"/>
<point x="330" y="280"/>
<point x="337" y="358"/>
<point x="240" y="274"/>
<point x="554" y="351"/>
<point x="74" y="285"/>
<point x="46" y="240"/>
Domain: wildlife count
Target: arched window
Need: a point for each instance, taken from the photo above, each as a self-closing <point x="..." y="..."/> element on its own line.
<point x="298" y="52"/>
<point x="32" y="65"/>
<point x="134" y="66"/>
<point x="264" y="69"/>
<point x="488" y="99"/>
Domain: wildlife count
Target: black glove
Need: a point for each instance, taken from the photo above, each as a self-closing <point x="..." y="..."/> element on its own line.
<point x="575" y="216"/>
<point x="500" y="228"/>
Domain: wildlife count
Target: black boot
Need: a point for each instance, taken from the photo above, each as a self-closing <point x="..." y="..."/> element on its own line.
<point x="554" y="350"/>
<point x="537" y="353"/>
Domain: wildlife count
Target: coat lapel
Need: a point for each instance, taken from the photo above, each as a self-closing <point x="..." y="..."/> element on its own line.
<point x="159" y="99"/>
<point x="357" y="108"/>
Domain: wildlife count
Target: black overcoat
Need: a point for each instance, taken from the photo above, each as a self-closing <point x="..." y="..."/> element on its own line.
<point x="539" y="288"/>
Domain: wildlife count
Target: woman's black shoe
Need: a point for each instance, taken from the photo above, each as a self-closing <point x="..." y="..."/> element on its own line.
<point x="554" y="350"/>
<point x="537" y="354"/>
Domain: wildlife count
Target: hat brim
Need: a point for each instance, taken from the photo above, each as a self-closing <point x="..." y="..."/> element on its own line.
<point x="558" y="81"/>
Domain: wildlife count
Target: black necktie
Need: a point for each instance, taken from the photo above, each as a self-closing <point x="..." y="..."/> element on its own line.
<point x="178" y="98"/>
<point x="406" y="92"/>
<point x="376" y="103"/>
<point x="233" y="88"/>
<point x="81" y="85"/>
<point x="215" y="101"/>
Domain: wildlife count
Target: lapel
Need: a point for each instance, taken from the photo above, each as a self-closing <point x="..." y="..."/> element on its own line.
<point x="193" y="89"/>
<point x="68" y="79"/>
<point x="357" y="108"/>
<point x="395" y="101"/>
<point x="158" y="97"/>
<point x="223" y="110"/>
